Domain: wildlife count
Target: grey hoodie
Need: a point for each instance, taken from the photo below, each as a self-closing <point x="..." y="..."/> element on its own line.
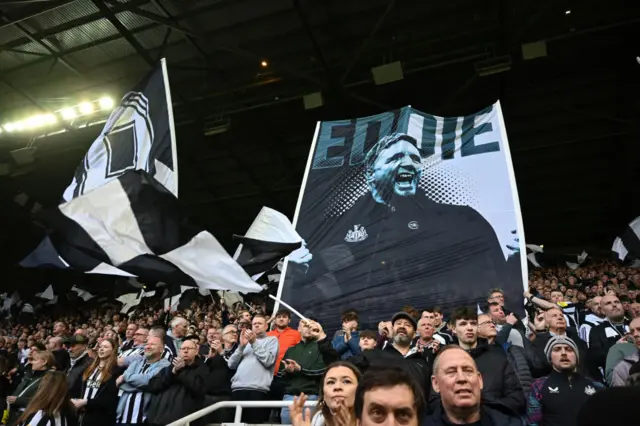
<point x="254" y="364"/>
<point x="621" y="370"/>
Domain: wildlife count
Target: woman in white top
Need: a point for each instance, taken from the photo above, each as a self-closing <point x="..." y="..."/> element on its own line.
<point x="335" y="400"/>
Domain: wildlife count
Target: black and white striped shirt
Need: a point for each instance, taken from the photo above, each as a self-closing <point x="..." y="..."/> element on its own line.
<point x="40" y="418"/>
<point x="135" y="351"/>
<point x="92" y="385"/>
<point x="167" y="353"/>
<point x="133" y="412"/>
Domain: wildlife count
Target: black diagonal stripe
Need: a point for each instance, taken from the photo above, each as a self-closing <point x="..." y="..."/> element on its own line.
<point x="153" y="268"/>
<point x="259" y="256"/>
<point x="161" y="220"/>
<point x="631" y="241"/>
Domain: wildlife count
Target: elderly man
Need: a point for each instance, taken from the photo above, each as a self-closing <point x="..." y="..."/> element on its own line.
<point x="459" y="383"/>
<point x="79" y="360"/>
<point x="611" y="331"/>
<point x="177" y="332"/>
<point x="177" y="389"/>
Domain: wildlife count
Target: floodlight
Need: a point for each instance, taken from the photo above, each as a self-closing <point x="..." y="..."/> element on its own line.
<point x="9" y="127"/>
<point x="86" y="107"/>
<point x="68" y="113"/>
<point x="18" y="125"/>
<point x="35" y="121"/>
<point x="49" y="119"/>
<point x="106" y="103"/>
<point x="264" y="64"/>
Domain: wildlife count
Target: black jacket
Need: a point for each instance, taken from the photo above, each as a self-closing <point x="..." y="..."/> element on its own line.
<point x="490" y="415"/>
<point x="63" y="361"/>
<point x="556" y="400"/>
<point x="101" y="409"/>
<point x="518" y="360"/>
<point x="545" y="368"/>
<point x="218" y="381"/>
<point x="74" y="376"/>
<point x="372" y="251"/>
<point x="176" y="395"/>
<point x="26" y="390"/>
<point x="601" y="338"/>
<point x="417" y="364"/>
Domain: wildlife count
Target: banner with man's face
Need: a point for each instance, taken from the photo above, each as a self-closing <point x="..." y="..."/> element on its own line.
<point x="406" y="208"/>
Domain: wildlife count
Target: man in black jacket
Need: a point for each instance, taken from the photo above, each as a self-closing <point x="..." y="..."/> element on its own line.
<point x="79" y="361"/>
<point x="178" y="389"/>
<point x="501" y="384"/>
<point x="614" y="329"/>
<point x="459" y="384"/>
<point x="398" y="352"/>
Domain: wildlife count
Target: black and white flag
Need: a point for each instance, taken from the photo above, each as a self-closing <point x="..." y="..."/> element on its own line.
<point x="270" y="238"/>
<point x="121" y="214"/>
<point x="626" y="247"/>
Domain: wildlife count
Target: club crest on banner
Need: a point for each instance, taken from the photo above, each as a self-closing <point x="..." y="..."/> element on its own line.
<point x="357" y="234"/>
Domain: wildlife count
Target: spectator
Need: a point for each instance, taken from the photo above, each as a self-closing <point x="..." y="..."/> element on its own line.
<point x="60" y="330"/>
<point x="347" y="340"/>
<point x="177" y="389"/>
<point x="177" y="332"/>
<point x="254" y="362"/>
<point x="79" y="361"/>
<point x="459" y="383"/>
<point x="611" y="331"/>
<point x="213" y="335"/>
<point x="504" y="325"/>
<point x="620" y="375"/>
<point x="168" y="349"/>
<point x="555" y="400"/>
<point x="218" y="384"/>
<point x="557" y="326"/>
<point x="63" y="361"/>
<point x="305" y="364"/>
<point x="500" y="383"/>
<point x="41" y="363"/>
<point x="336" y="398"/>
<point x="287" y="338"/>
<point x="50" y="405"/>
<point x="442" y="334"/>
<point x="134" y="399"/>
<point x="229" y="340"/>
<point x="129" y="337"/>
<point x="367" y="340"/>
<point x="611" y="407"/>
<point x="426" y="341"/>
<point x="99" y="393"/>
<point x="388" y="396"/>
<point x="136" y="349"/>
<point x="592" y="319"/>
<point x="515" y="354"/>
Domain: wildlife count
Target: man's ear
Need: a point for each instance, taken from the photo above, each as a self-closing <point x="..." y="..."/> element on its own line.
<point x="434" y="383"/>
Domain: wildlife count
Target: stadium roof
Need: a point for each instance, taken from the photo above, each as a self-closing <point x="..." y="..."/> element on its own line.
<point x="571" y="114"/>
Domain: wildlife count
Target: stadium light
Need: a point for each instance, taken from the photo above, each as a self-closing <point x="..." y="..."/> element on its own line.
<point x="86" y="107"/>
<point x="264" y="64"/>
<point x="9" y="127"/>
<point x="106" y="103"/>
<point x="68" y="113"/>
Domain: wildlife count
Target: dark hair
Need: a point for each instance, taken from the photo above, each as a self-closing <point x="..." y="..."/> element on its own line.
<point x="463" y="313"/>
<point x="39" y="345"/>
<point x="285" y="312"/>
<point x="385" y="378"/>
<point x="369" y="333"/>
<point x="321" y="406"/>
<point x="349" y="315"/>
<point x="415" y="314"/>
<point x="193" y="337"/>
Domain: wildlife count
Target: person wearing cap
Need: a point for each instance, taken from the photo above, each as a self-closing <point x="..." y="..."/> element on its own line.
<point x="556" y="400"/>
<point x="397" y="349"/>
<point x="79" y="361"/>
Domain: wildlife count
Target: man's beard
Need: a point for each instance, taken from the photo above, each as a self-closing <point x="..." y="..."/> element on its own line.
<point x="402" y="339"/>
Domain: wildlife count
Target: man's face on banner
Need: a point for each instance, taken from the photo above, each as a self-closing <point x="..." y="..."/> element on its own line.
<point x="396" y="170"/>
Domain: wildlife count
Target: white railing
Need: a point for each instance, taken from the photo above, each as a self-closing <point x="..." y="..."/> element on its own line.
<point x="239" y="405"/>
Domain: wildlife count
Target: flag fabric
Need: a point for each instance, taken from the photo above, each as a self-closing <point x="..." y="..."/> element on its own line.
<point x="406" y="208"/>
<point x="270" y="238"/>
<point x="537" y="256"/>
<point x="121" y="214"/>
<point x="626" y="247"/>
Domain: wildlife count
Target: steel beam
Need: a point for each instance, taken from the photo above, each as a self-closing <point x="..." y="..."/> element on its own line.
<point x="48" y="48"/>
<point x="33" y="10"/>
<point x="124" y="32"/>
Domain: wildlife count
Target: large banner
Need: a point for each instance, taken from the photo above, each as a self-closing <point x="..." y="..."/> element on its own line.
<point x="406" y="208"/>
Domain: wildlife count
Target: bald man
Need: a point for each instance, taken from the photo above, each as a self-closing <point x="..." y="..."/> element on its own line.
<point x="63" y="361"/>
<point x="614" y="329"/>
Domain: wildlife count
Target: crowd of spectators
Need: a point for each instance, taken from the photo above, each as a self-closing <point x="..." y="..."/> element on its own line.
<point x="488" y="364"/>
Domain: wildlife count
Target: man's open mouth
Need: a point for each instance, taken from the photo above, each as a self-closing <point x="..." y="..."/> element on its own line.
<point x="404" y="177"/>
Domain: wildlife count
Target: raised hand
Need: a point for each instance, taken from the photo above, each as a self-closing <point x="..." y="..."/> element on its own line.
<point x="300" y="416"/>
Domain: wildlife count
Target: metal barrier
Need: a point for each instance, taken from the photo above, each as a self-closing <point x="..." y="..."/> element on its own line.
<point x="239" y="405"/>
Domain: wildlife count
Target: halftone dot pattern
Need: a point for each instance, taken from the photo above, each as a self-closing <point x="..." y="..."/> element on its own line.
<point x="440" y="181"/>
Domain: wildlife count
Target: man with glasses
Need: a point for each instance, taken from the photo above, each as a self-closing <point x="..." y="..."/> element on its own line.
<point x="515" y="354"/>
<point x="229" y="341"/>
<point x="177" y="390"/>
<point x="139" y="339"/>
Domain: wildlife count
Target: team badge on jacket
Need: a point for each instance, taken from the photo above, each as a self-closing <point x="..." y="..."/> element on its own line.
<point x="357" y="234"/>
<point x="589" y="390"/>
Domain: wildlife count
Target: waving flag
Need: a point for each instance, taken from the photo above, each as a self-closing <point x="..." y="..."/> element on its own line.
<point x="121" y="214"/>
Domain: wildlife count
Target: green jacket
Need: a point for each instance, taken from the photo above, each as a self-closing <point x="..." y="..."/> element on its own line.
<point x="313" y="357"/>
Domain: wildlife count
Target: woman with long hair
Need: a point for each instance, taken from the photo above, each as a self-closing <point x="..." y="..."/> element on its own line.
<point x="41" y="362"/>
<point x="335" y="400"/>
<point x="99" y="390"/>
<point x="50" y="406"/>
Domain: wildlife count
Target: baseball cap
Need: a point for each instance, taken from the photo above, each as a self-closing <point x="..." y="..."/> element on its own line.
<point x="406" y="316"/>
<point x="77" y="339"/>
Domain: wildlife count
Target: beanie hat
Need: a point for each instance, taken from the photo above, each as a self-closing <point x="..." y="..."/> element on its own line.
<point x="560" y="340"/>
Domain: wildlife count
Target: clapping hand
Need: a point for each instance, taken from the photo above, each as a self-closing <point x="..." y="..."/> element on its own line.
<point x="244" y="340"/>
<point x="251" y="336"/>
<point x="300" y="416"/>
<point x="178" y="363"/>
<point x="292" y="366"/>
<point x="342" y="416"/>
